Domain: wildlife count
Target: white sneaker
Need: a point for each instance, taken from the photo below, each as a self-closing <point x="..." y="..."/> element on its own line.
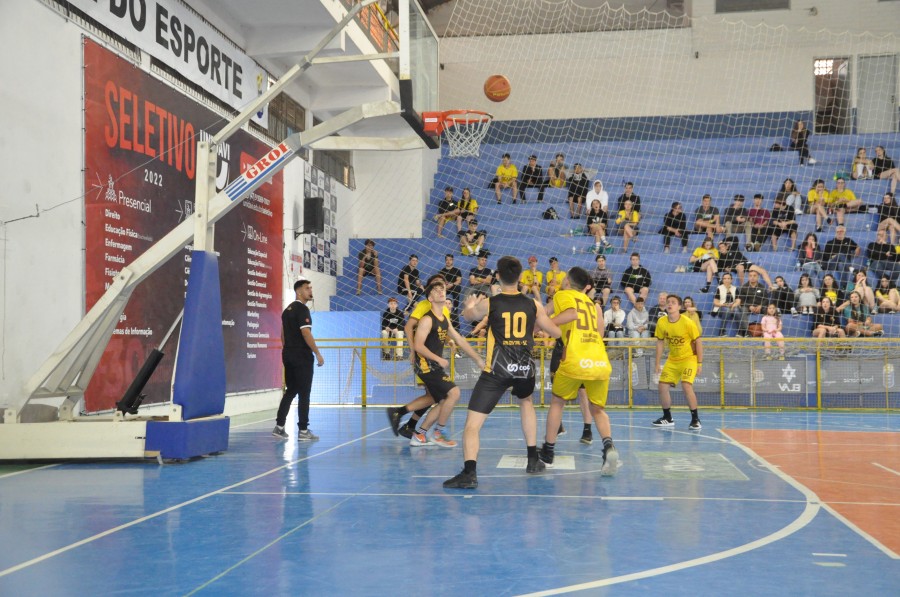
<point x="307" y="436"/>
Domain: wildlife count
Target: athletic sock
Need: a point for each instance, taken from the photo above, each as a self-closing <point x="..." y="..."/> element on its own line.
<point x="607" y="443"/>
<point x="419" y="428"/>
<point x="548" y="447"/>
<point x="532" y="451"/>
<point x="418" y="414"/>
<point x="438" y="428"/>
<point x="694" y="415"/>
<point x="667" y="414"/>
<point x="469" y="466"/>
<point x="587" y="427"/>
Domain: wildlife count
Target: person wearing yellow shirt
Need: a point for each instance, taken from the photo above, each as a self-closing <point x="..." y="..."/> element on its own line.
<point x="628" y="221"/>
<point x="684" y="363"/>
<point x="842" y="200"/>
<point x="468" y="206"/>
<point x="554" y="278"/>
<point x="816" y="200"/>
<point x="705" y="259"/>
<point x="532" y="279"/>
<point x="507" y="178"/>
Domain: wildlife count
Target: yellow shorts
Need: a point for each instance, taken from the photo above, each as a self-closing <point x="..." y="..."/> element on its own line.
<point x="683" y="371"/>
<point x="567" y="388"/>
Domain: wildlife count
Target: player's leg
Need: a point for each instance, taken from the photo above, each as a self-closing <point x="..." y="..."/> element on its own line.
<point x="670" y="375"/>
<point x="597" y="393"/>
<point x="523" y="390"/>
<point x="420" y="403"/>
<point x="485" y="395"/>
<point x="687" y="384"/>
<point x="587" y="437"/>
<point x="564" y="389"/>
<point x="444" y="412"/>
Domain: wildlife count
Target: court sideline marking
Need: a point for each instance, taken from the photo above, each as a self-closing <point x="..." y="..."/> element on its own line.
<point x="137" y="521"/>
<point x="31" y="470"/>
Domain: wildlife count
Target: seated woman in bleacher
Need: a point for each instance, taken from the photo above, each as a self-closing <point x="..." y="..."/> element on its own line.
<point x="578" y="190"/>
<point x="862" y="168"/>
<point x="859" y="319"/>
<point x="807" y="295"/>
<point x="887" y="296"/>
<point x="556" y="172"/>
<point x="885" y="168"/>
<point x="704" y="260"/>
<point x="614" y="317"/>
<point x="628" y="222"/>
<point x="692" y="312"/>
<point x="889" y="216"/>
<point x="468" y="206"/>
<point x="800" y="142"/>
<point x="832" y="292"/>
<point x="783" y="296"/>
<point x="816" y="200"/>
<point x="860" y="285"/>
<point x="827" y="323"/>
<point x="810" y="257"/>
<point x="882" y="255"/>
<point x="791" y="197"/>
<point x="842" y="200"/>
<point x="675" y="226"/>
<point x="784" y="223"/>
<point x="598" y="219"/>
<point x="724" y="306"/>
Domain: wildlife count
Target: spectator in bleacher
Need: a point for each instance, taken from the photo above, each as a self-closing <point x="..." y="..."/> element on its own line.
<point x="706" y="218"/>
<point x="726" y="305"/>
<point x="481" y="277"/>
<point x="704" y="260"/>
<point x="826" y="323"/>
<point x="810" y="257"/>
<point x="783" y="296"/>
<point x="614" y="317"/>
<point x="471" y="241"/>
<point x="578" y="189"/>
<point x="737" y="219"/>
<point x="408" y="282"/>
<point x="554" y="278"/>
<point x="532" y="279"/>
<point x="807" y="295"/>
<point x="556" y="172"/>
<point x="817" y="200"/>
<point x="784" y="222"/>
<point x="598" y="220"/>
<point x="658" y="311"/>
<point x="368" y="266"/>
<point x="468" y="206"/>
<point x="732" y="260"/>
<point x="507" y="178"/>
<point x="630" y="196"/>
<point x="601" y="281"/>
<point x="771" y="328"/>
<point x="800" y="142"/>
<point x="628" y="223"/>
<point x="675" y="225"/>
<point x="860" y="285"/>
<point x="754" y="297"/>
<point x="887" y="296"/>
<point x="884" y="168"/>
<point x="882" y="256"/>
<point x="448" y="211"/>
<point x="791" y="196"/>
<point x="842" y="200"/>
<point x="392" y="328"/>
<point x="833" y="292"/>
<point x="638" y="323"/>
<point x="760" y="223"/>
<point x="692" y="312"/>
<point x="889" y="216"/>
<point x="453" y="277"/>
<point x="636" y="279"/>
<point x="840" y="253"/>
<point x="532" y="178"/>
<point x="862" y="168"/>
<point x="859" y="319"/>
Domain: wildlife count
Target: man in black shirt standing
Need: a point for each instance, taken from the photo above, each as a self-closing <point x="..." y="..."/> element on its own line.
<point x="408" y="281"/>
<point x="297" y="356"/>
<point x="636" y="279"/>
<point x="532" y="176"/>
<point x="839" y="254"/>
<point x="629" y="195"/>
<point x="392" y="328"/>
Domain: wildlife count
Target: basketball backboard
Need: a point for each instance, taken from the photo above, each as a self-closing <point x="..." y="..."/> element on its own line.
<point x="419" y="67"/>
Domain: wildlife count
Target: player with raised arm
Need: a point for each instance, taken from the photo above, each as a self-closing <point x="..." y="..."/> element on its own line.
<point x="683" y="364"/>
<point x="510" y="339"/>
<point x="431" y="335"/>
<point x="584" y="364"/>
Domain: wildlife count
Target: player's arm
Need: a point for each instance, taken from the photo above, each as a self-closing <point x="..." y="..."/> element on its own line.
<point x="464" y="345"/>
<point x="476" y="307"/>
<point x="422" y="332"/>
<point x="408" y="331"/>
<point x="698" y="350"/>
<point x="311" y="342"/>
<point x="544" y="321"/>
<point x="659" y="351"/>
<point x="568" y="316"/>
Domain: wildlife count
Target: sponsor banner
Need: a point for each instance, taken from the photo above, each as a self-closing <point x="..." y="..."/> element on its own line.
<point x="183" y="41"/>
<point x="140" y="152"/>
<point x="859" y="376"/>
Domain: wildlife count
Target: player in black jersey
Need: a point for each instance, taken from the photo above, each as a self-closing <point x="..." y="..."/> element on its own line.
<point x="511" y="321"/>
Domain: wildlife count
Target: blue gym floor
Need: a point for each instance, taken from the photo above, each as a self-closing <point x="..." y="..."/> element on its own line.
<point x="362" y="513"/>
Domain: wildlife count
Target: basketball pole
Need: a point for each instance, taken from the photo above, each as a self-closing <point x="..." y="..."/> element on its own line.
<point x="67" y="372"/>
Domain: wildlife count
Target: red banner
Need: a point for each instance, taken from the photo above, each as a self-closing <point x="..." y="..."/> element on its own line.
<point x="140" y="154"/>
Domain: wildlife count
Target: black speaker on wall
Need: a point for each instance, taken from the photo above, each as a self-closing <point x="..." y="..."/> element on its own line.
<point x="313" y="215"/>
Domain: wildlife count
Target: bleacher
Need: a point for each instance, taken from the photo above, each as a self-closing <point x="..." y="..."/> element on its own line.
<point x="663" y="172"/>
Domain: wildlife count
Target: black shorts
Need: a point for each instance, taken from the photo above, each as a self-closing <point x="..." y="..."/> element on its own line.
<point x="438" y="383"/>
<point x="489" y="389"/>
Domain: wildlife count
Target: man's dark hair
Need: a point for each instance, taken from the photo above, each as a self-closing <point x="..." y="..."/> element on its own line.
<point x="677" y="298"/>
<point x="434" y="282"/>
<point x="300" y="284"/>
<point x="433" y="278"/>
<point x="509" y="269"/>
<point x="739" y="197"/>
<point x="675" y="204"/>
<point x="629" y="183"/>
<point x="758" y="196"/>
<point x="638" y="255"/>
<point x="450" y="255"/>
<point x="506" y="155"/>
<point x="413" y="256"/>
<point x="579" y="278"/>
<point x="707" y="196"/>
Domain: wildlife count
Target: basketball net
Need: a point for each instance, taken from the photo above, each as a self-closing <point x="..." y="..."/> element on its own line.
<point x="464" y="131"/>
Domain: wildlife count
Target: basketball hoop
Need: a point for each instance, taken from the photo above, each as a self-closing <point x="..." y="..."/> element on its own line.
<point x="463" y="129"/>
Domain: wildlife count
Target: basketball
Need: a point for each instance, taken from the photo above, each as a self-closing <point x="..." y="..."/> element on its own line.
<point x="497" y="88"/>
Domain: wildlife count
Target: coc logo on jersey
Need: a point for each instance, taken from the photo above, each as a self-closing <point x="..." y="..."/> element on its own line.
<point x="516" y="368"/>
<point x="590" y="364"/>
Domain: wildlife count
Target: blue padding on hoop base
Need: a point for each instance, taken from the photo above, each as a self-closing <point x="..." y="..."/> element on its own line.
<point x="187" y="439"/>
<point x="200" y="369"/>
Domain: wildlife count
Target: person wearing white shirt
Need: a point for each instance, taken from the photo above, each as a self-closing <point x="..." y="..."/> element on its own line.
<point x="638" y="323"/>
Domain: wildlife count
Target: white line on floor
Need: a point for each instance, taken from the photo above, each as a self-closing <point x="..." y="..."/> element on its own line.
<point x="890" y="470"/>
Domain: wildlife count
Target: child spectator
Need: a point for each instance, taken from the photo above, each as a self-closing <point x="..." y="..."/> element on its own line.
<point x="507" y="178"/>
<point x="771" y="328"/>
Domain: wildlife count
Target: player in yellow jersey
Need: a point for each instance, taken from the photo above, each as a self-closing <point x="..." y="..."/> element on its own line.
<point x="684" y="363"/>
<point x="584" y="364"/>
